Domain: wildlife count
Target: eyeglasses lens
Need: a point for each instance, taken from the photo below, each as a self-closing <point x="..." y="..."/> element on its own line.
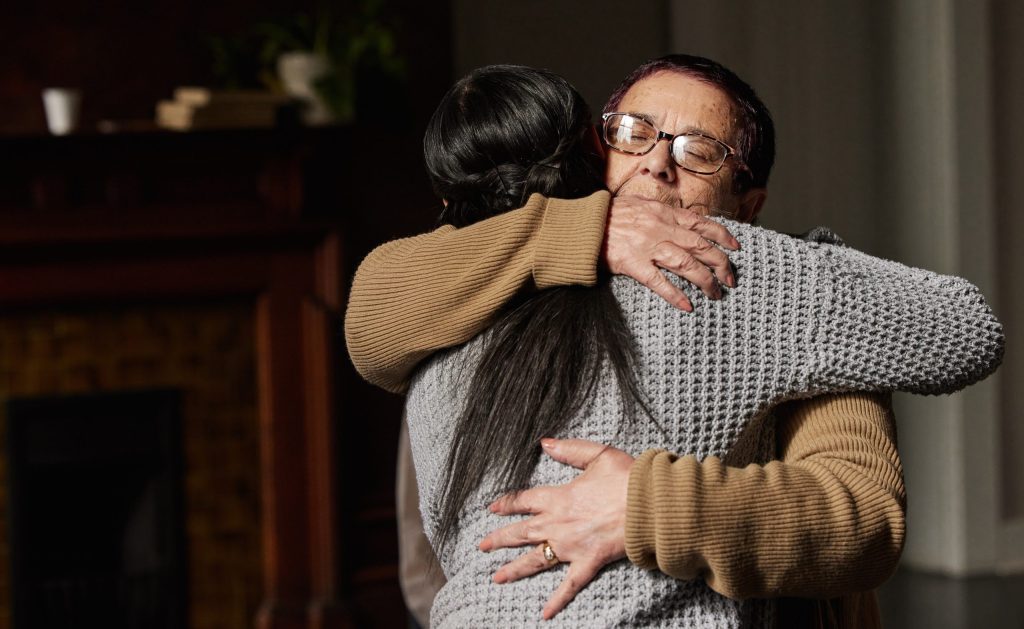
<point x="637" y="136"/>
<point x="698" y="154"/>
<point x="629" y="134"/>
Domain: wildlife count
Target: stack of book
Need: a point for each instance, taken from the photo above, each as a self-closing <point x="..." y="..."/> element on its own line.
<point x="203" y="108"/>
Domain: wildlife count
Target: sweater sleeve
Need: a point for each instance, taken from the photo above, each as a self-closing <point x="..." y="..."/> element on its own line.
<point x="882" y="325"/>
<point x="414" y="296"/>
<point x="826" y="519"/>
<point x="862" y="323"/>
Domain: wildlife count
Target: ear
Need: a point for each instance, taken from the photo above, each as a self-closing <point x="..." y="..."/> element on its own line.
<point x="750" y="204"/>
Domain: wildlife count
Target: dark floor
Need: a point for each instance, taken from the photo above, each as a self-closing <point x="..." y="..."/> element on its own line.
<point x="913" y="600"/>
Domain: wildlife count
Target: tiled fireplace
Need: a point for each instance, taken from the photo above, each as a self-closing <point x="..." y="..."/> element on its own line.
<point x="130" y="467"/>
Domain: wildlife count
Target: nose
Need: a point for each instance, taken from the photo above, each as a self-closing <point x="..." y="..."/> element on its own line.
<point x="658" y="163"/>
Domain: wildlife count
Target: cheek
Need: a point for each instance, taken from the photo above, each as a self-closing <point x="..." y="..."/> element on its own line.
<point x="701" y="193"/>
<point x="698" y="186"/>
<point x="712" y="194"/>
<point x="716" y="184"/>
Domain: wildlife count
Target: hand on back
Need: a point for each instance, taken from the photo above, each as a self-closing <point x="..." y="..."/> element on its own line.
<point x="583" y="522"/>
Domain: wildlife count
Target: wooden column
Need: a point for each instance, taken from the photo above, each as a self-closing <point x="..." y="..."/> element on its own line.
<point x="297" y="446"/>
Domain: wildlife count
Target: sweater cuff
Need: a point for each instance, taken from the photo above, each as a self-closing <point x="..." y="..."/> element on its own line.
<point x="570" y="241"/>
<point x="641" y="520"/>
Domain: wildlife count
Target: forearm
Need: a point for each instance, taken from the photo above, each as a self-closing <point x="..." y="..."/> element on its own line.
<point x="860" y="323"/>
<point x="825" y="520"/>
<point x="915" y="330"/>
<point x="414" y="296"/>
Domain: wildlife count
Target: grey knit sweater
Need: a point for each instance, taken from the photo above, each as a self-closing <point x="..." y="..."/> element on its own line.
<point x="806" y="318"/>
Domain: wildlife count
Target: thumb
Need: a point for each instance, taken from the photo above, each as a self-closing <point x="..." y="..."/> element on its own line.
<point x="578" y="453"/>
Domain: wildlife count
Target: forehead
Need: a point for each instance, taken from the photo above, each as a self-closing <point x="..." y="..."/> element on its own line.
<point x="678" y="103"/>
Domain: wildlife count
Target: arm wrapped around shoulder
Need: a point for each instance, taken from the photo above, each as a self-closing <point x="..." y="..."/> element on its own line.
<point x="890" y="326"/>
<point x="414" y="296"/>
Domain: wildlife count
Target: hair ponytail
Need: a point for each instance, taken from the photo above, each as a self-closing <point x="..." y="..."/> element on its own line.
<point x="500" y="134"/>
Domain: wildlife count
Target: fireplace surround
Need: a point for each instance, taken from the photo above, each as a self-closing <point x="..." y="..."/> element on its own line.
<point x="214" y="265"/>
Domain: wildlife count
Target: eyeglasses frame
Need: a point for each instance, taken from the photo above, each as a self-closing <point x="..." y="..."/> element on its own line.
<point x="662" y="135"/>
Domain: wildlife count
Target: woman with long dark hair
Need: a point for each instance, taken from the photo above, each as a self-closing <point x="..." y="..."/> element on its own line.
<point x="618" y="365"/>
<point x="529" y="132"/>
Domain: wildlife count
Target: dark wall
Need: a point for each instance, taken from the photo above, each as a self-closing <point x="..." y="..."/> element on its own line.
<point x="593" y="44"/>
<point x="126" y="55"/>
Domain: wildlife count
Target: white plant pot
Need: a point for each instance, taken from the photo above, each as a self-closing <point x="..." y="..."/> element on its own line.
<point x="298" y="72"/>
<point x="61" y="106"/>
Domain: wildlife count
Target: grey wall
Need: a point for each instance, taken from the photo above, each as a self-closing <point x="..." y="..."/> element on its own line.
<point x="815" y="65"/>
<point x="1008" y="64"/>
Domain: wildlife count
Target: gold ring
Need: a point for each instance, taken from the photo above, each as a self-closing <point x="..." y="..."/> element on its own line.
<point x="549" y="553"/>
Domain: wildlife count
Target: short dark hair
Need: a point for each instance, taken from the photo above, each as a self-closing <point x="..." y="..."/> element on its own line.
<point x="756" y="142"/>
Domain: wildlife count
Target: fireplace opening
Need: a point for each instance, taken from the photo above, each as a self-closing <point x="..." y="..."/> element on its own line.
<point x="96" y="510"/>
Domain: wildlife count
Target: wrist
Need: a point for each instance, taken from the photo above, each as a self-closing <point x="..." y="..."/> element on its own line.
<point x="640" y="524"/>
<point x="570" y="241"/>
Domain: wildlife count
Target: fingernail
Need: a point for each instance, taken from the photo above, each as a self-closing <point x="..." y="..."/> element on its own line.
<point x="730" y="280"/>
<point x="485" y="546"/>
<point x="499" y="578"/>
<point x="735" y="244"/>
<point x="547" y="443"/>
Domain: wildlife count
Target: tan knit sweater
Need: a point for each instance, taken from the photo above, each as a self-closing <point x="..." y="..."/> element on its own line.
<point x="414" y="296"/>
<point x="826" y="519"/>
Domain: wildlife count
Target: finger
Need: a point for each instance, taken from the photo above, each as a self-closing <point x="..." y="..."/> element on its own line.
<point x="707" y="254"/>
<point x="527" y="501"/>
<point x="525" y="565"/>
<point x="672" y="257"/>
<point x="578" y="453"/>
<point x="715" y="232"/>
<point x="517" y="534"/>
<point x="577" y="577"/>
<point x="659" y="284"/>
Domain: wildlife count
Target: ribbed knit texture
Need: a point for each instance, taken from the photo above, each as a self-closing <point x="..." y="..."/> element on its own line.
<point x="807" y="318"/>
<point x="548" y="241"/>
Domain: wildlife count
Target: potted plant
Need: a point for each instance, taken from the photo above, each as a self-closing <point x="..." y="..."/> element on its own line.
<point x="317" y="57"/>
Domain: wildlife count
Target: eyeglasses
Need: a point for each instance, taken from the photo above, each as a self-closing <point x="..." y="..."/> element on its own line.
<point x="695" y="152"/>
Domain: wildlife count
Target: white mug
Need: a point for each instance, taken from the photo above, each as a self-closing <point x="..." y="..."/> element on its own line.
<point x="61" y="105"/>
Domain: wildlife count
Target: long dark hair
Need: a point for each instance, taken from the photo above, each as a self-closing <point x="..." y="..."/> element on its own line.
<point x="500" y="134"/>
